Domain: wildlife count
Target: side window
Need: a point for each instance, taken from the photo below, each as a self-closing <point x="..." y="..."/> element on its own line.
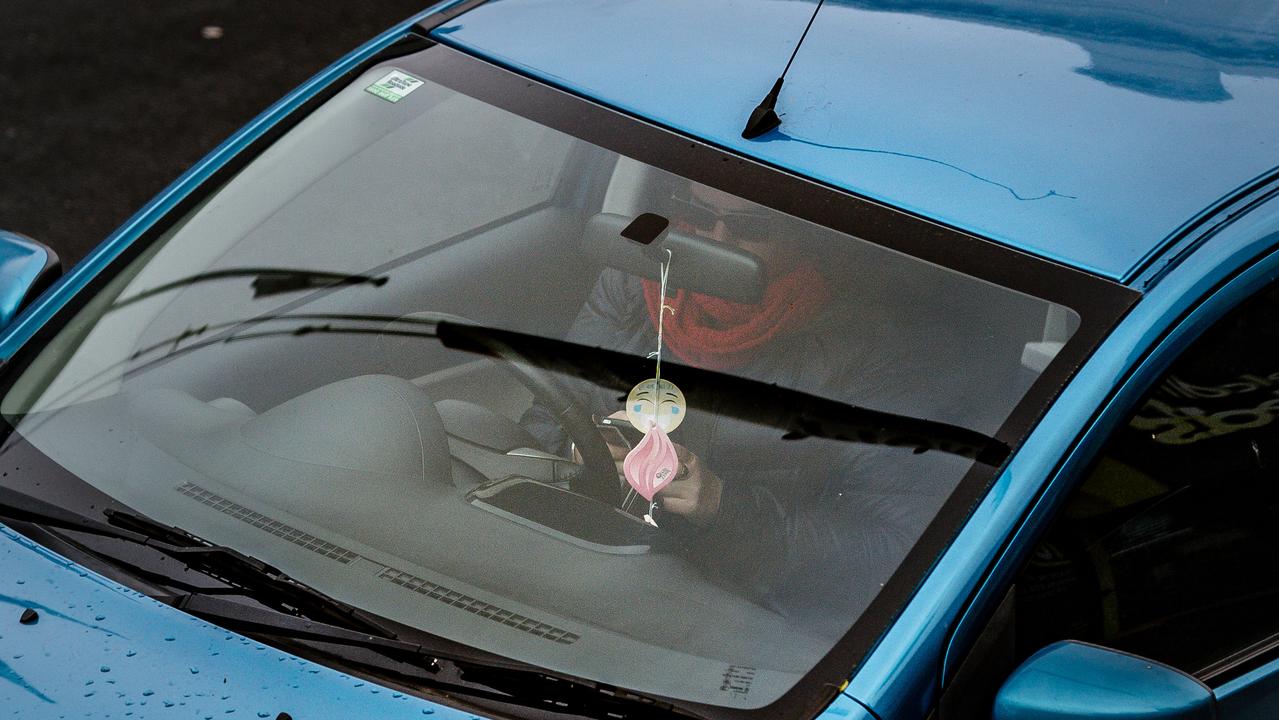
<point x="1169" y="548"/>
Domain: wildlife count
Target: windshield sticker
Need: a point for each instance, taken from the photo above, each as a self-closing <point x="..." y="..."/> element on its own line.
<point x="656" y="407"/>
<point x="738" y="679"/>
<point x="394" y="86"/>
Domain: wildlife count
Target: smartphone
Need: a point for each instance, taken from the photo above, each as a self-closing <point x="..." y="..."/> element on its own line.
<point x="621" y="433"/>
<point x="617" y="431"/>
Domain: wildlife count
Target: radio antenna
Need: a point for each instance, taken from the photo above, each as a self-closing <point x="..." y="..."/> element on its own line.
<point x="764" y="117"/>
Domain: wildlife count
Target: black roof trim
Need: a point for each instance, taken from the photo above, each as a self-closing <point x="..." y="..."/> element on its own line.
<point x="436" y="19"/>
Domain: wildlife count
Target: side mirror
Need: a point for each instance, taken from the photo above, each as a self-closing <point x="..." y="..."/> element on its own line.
<point x="1076" y="680"/>
<point x="27" y="267"/>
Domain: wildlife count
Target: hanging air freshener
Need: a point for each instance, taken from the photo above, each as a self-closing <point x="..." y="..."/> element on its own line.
<point x="657" y="407"/>
<point x="652" y="464"/>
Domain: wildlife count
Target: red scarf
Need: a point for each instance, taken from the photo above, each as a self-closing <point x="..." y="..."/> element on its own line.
<point x="717" y="334"/>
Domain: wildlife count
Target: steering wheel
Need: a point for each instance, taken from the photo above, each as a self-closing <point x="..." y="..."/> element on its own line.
<point x="598" y="477"/>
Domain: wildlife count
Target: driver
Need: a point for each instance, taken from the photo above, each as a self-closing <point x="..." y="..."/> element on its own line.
<point x="765" y="512"/>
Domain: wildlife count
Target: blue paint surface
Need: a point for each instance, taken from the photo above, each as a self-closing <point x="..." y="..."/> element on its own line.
<point x="102" y="650"/>
<point x="1088" y="134"/>
<point x="1251" y="696"/>
<point x="20" y="264"/>
<point x="1070" y="680"/>
<point x="845" y="708"/>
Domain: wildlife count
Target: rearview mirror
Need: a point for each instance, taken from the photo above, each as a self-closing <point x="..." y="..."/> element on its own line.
<point x="1076" y="680"/>
<point x="700" y="265"/>
<point x="27" y="267"/>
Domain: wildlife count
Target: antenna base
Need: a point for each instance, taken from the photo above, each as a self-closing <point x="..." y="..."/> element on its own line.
<point x="764" y="118"/>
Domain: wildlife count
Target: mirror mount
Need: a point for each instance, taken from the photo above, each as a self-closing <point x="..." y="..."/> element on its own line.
<point x="27" y="268"/>
<point x="1071" y="679"/>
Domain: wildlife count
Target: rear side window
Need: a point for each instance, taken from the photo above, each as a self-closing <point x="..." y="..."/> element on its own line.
<point x="1169" y="548"/>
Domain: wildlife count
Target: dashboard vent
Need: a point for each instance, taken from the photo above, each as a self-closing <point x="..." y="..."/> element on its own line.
<point x="479" y="607"/>
<point x="262" y="522"/>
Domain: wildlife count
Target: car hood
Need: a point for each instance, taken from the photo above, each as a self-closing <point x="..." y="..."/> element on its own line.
<point x="1087" y="133"/>
<point x="99" y="649"/>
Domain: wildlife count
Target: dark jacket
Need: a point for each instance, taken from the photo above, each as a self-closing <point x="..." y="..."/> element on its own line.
<point x="802" y="523"/>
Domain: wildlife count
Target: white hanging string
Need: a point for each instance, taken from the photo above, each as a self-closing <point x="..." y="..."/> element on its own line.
<point x="661" y="316"/>
<point x="663" y="308"/>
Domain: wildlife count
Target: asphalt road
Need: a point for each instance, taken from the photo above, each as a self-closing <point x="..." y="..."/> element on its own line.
<point x="103" y="103"/>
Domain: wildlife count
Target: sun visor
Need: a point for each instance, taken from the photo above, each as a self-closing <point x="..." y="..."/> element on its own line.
<point x="697" y="264"/>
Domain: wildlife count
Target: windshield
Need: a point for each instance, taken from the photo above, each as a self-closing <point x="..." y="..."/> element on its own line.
<point x="393" y="354"/>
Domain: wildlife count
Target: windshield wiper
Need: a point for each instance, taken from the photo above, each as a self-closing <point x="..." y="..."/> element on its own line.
<point x="263" y="621"/>
<point x="574" y="697"/>
<point x="255" y="578"/>
<point x="266" y="583"/>
<point x="17" y="505"/>
<point x="500" y="681"/>
<point x="797" y="414"/>
<point x="266" y="281"/>
<point x="505" y="682"/>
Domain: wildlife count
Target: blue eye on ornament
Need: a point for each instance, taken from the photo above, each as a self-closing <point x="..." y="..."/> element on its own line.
<point x="639" y="408"/>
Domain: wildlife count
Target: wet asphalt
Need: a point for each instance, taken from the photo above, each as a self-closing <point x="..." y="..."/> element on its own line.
<point x="103" y="103"/>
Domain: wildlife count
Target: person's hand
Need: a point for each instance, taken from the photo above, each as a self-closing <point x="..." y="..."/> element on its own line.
<point x="695" y="492"/>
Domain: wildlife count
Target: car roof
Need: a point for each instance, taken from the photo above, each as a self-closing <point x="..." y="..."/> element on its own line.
<point x="1084" y="133"/>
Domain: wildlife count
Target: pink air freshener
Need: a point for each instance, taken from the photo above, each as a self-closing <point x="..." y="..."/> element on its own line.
<point x="654" y="406"/>
<point x="652" y="464"/>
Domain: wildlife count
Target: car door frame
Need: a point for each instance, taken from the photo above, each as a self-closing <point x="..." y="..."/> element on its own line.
<point x="1182" y="303"/>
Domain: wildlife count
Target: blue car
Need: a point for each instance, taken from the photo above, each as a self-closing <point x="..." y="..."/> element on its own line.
<point x="736" y="359"/>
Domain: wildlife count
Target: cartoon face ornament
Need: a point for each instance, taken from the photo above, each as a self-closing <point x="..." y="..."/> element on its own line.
<point x="655" y="402"/>
<point x="656" y="407"/>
